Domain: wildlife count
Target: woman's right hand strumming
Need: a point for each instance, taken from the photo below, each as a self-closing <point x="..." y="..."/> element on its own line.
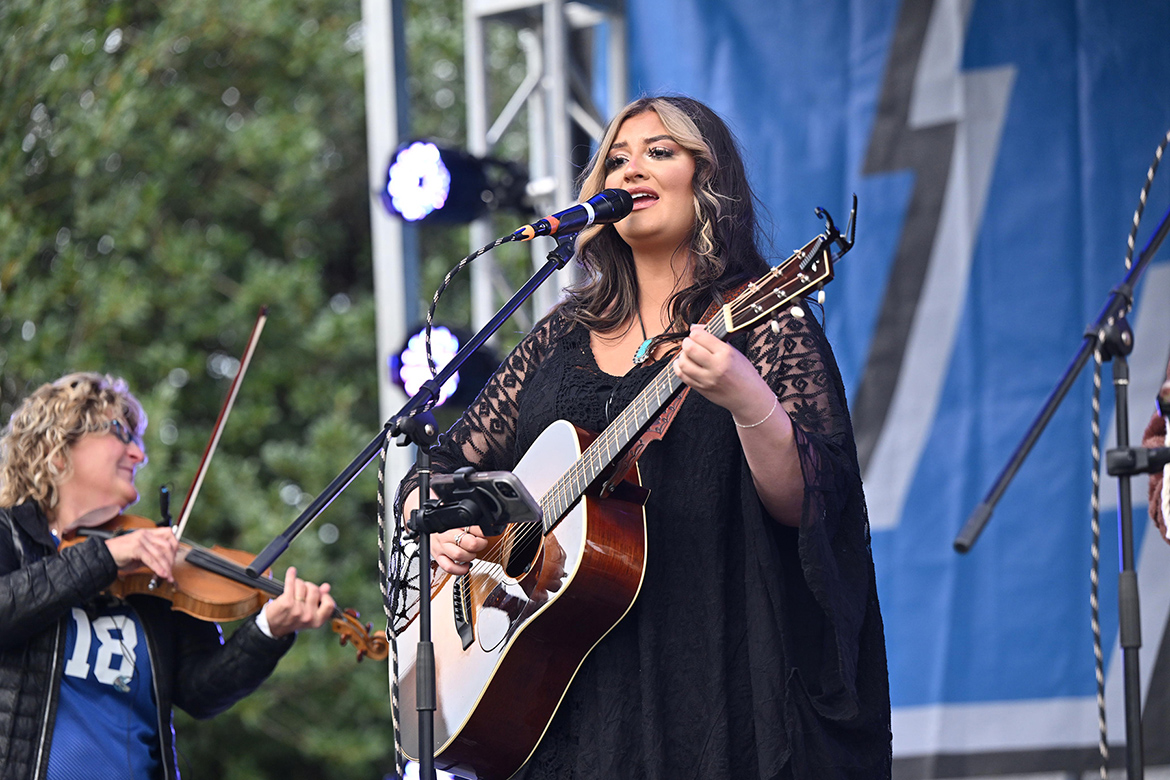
<point x="454" y="550"/>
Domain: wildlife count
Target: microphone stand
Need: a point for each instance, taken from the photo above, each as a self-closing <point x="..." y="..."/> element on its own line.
<point x="1112" y="334"/>
<point x="422" y="432"/>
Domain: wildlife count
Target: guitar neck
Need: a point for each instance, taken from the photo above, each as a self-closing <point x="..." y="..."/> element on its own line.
<point x="809" y="268"/>
<point x="616" y="437"/>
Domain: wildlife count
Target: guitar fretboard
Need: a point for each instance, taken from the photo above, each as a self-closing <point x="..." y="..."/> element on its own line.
<point x="808" y="268"/>
<point x="606" y="448"/>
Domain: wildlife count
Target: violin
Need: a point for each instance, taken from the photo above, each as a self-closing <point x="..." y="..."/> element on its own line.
<point x="212" y="584"/>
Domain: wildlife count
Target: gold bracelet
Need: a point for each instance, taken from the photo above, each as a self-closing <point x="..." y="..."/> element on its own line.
<point x="775" y="403"/>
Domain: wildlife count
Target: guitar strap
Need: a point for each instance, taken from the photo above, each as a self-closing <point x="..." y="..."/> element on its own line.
<point x="657" y="429"/>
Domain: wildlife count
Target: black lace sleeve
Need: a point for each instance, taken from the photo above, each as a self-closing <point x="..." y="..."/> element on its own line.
<point x="485" y="435"/>
<point x="795" y="359"/>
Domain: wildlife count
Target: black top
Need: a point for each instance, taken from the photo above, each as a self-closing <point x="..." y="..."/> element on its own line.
<point x="754" y="650"/>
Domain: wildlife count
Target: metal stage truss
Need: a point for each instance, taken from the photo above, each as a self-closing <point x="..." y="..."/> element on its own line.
<point x="575" y="78"/>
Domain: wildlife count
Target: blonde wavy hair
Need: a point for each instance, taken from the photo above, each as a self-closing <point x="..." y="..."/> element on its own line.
<point x="723" y="248"/>
<point x="35" y="445"/>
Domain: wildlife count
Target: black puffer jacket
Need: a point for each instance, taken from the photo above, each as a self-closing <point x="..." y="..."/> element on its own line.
<point x="193" y="667"/>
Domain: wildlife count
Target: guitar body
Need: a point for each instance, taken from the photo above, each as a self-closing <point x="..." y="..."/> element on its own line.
<point x="531" y="629"/>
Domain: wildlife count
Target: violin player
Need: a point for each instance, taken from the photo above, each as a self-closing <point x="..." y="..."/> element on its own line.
<point x="87" y="681"/>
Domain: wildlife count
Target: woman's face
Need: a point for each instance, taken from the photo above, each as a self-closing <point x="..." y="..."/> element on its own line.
<point x="645" y="161"/>
<point x="104" y="467"/>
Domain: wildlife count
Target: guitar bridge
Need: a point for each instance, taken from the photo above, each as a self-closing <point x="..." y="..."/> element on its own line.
<point x="461" y="605"/>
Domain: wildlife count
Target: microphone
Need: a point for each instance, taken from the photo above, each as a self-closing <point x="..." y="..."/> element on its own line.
<point x="603" y="208"/>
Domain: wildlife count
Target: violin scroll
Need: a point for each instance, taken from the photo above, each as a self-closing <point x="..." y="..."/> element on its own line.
<point x="351" y="631"/>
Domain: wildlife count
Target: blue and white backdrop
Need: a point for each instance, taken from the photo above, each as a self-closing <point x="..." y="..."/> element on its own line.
<point x="997" y="148"/>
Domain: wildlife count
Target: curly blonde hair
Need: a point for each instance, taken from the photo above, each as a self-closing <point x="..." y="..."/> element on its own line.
<point x="35" y="446"/>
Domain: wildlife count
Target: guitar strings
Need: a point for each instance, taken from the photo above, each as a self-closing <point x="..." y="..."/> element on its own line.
<point x="571" y="486"/>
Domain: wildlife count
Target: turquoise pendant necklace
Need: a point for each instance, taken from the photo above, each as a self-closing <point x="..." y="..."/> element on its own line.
<point x="643" y="351"/>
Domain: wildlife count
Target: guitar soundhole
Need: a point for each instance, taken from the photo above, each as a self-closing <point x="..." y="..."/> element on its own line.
<point x="525" y="547"/>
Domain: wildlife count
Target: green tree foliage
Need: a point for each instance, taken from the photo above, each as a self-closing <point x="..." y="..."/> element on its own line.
<point x="165" y="170"/>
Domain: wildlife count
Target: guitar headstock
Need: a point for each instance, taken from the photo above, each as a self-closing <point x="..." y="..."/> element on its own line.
<point x="807" y="271"/>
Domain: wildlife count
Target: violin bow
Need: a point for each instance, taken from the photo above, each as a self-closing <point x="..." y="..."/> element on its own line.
<point x="220" y="423"/>
<point x="345" y="622"/>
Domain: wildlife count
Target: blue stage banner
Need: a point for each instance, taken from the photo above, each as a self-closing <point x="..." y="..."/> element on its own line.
<point x="997" y="149"/>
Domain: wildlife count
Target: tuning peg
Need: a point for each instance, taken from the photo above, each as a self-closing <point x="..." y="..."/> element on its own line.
<point x="797" y="312"/>
<point x="821" y="296"/>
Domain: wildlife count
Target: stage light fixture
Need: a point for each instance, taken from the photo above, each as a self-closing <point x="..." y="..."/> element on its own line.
<point x="409" y="369"/>
<point x="425" y="181"/>
<point x="418" y="182"/>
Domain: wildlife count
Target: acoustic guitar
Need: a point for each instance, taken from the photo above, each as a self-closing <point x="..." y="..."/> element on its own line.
<point x="510" y="635"/>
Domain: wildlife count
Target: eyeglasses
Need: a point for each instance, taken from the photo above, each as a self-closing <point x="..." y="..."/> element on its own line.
<point x="125" y="435"/>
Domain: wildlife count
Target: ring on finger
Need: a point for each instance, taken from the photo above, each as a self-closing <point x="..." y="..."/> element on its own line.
<point x="459" y="536"/>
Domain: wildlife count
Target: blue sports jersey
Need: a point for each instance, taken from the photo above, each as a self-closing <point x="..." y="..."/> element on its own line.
<point x="107" y="719"/>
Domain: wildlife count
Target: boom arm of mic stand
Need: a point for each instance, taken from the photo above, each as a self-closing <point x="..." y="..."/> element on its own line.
<point x="1119" y="302"/>
<point x="557" y="259"/>
<point x="982" y="513"/>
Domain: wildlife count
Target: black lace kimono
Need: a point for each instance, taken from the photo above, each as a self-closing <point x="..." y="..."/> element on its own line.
<point x="754" y="650"/>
